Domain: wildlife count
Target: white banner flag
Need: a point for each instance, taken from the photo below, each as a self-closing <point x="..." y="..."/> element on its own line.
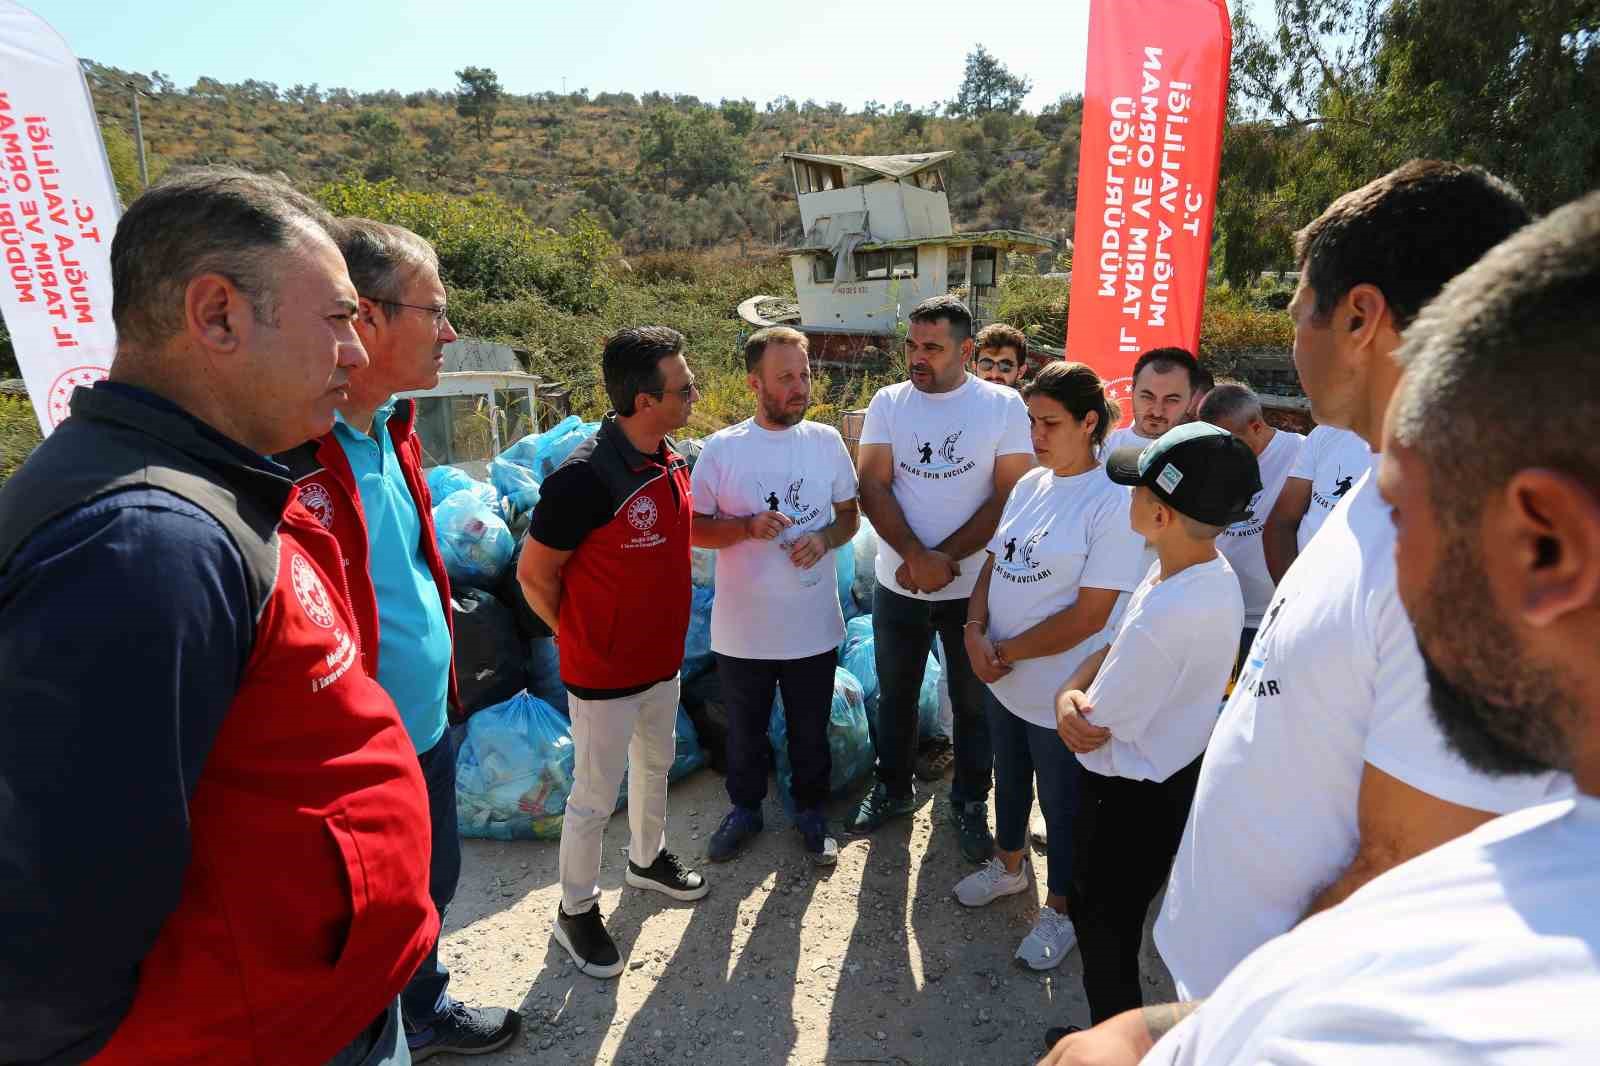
<point x="58" y="211"/>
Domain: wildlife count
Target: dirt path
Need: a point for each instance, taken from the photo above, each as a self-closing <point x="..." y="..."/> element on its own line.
<point x="870" y="962"/>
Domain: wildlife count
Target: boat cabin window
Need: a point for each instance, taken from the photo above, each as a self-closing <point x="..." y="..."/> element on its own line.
<point x="983" y="267"/>
<point x="822" y="268"/>
<point x="872" y="266"/>
<point x="903" y="263"/>
<point x="932" y="179"/>
<point x="815" y="177"/>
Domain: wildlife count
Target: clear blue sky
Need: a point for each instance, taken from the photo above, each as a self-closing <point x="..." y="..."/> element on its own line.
<point x="846" y="50"/>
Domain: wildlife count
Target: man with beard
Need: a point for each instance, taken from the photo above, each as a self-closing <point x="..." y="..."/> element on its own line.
<point x="1165" y="381"/>
<point x="1326" y="768"/>
<point x="1002" y="355"/>
<point x="939" y="455"/>
<point x="775" y="495"/>
<point x="1484" y="950"/>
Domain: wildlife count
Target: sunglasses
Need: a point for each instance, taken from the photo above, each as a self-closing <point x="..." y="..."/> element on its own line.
<point x="1005" y="366"/>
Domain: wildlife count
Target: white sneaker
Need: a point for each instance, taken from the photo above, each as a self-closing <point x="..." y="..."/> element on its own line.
<point x="990" y="883"/>
<point x="1049" y="942"/>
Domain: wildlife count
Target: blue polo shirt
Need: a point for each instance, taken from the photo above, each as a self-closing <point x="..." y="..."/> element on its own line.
<point x="413" y="636"/>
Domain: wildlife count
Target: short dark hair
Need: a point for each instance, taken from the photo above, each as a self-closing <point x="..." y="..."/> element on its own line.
<point x="1230" y="400"/>
<point x="1407" y="233"/>
<point x="202" y="220"/>
<point x="756" y="346"/>
<point x="1204" y="380"/>
<point x="945" y="308"/>
<point x="1079" y="389"/>
<point x="1165" y="360"/>
<point x="1482" y="359"/>
<point x="631" y="363"/>
<point x="381" y="258"/>
<point x="999" y="335"/>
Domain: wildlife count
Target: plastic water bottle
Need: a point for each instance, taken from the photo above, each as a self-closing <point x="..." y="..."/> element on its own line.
<point x="790" y="535"/>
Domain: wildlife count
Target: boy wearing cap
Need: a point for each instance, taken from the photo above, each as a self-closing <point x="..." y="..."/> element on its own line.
<point x="1139" y="712"/>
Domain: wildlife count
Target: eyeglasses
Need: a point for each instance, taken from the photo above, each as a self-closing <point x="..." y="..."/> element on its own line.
<point x="684" y="394"/>
<point x="438" y="313"/>
<point x="1005" y="366"/>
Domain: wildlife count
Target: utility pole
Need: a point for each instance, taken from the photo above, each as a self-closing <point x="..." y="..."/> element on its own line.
<point x="563" y="85"/>
<point x="138" y="138"/>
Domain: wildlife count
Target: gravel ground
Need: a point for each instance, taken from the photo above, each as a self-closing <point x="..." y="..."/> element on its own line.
<point x="872" y="961"/>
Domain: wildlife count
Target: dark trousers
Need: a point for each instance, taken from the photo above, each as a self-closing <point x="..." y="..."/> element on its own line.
<point x="382" y="1043"/>
<point x="424" y="999"/>
<point x="1127" y="835"/>
<point x="1023" y="752"/>
<point x="748" y="686"/>
<point x="902" y="634"/>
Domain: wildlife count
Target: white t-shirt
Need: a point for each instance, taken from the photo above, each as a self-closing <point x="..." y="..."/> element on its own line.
<point x="1333" y="681"/>
<point x="943" y="448"/>
<point x="1333" y="460"/>
<point x="1484" y="950"/>
<point x="761" y="610"/>
<point x="1158" y="688"/>
<point x="1056" y="535"/>
<point x="1241" y="542"/>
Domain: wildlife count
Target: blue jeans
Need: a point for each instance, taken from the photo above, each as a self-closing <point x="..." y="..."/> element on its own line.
<point x="424" y="999"/>
<point x="383" y="1043"/>
<point x="1022" y="752"/>
<point x="902" y="634"/>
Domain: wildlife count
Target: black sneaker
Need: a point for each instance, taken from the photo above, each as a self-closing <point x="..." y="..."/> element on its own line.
<point x="879" y="807"/>
<point x="737" y="830"/>
<point x="813" y="827"/>
<point x="465" y="1031"/>
<point x="586" y="940"/>
<point x="972" y="829"/>
<point x="667" y="876"/>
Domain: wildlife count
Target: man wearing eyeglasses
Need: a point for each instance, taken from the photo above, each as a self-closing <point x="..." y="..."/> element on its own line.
<point x="363" y="481"/>
<point x="606" y="566"/>
<point x="1002" y="354"/>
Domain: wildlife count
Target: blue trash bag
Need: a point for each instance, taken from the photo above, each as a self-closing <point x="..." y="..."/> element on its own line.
<point x="514" y="771"/>
<point x="864" y="549"/>
<point x="928" y="724"/>
<point x="444" y="480"/>
<point x="542" y="452"/>
<point x="703" y="567"/>
<point x="473" y="539"/>
<point x="859" y="660"/>
<point x="697" y="658"/>
<point x="687" y="758"/>
<point x="544" y="673"/>
<point x="849" y="740"/>
<point x="844" y="574"/>
<point x="516" y="482"/>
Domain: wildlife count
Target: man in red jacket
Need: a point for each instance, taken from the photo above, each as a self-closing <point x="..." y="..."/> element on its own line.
<point x="363" y="481"/>
<point x="606" y="565"/>
<point x="213" y="830"/>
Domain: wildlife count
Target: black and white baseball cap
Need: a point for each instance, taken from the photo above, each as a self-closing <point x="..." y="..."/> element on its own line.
<point x="1199" y="469"/>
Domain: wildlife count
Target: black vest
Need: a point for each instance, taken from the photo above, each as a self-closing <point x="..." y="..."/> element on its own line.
<point x="114" y="442"/>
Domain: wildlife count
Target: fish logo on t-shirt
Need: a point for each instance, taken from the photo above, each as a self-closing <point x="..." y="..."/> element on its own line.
<point x="1020" y="565"/>
<point x="1343" y="484"/>
<point x="937" y="457"/>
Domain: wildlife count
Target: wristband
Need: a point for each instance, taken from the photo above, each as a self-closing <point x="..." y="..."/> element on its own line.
<point x="976" y="622"/>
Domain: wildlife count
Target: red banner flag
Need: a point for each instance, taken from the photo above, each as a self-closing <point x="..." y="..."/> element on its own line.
<point x="1153" y="108"/>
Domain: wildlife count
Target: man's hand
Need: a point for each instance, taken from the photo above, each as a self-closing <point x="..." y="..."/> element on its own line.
<point x="931" y="571"/>
<point x="808" y="551"/>
<point x="980" y="652"/>
<point x="902" y="577"/>
<point x="1072" y="710"/>
<point x="1119" y="1041"/>
<point x="766" y="525"/>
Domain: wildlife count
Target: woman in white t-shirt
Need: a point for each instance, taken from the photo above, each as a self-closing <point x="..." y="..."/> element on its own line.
<point x="1062" y="560"/>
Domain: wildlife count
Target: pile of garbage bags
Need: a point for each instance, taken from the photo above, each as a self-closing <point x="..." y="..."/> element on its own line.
<point x="849" y="741"/>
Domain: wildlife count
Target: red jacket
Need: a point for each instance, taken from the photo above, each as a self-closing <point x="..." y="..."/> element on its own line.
<point x="310" y="849"/>
<point x="626" y="518"/>
<point x="328" y="489"/>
